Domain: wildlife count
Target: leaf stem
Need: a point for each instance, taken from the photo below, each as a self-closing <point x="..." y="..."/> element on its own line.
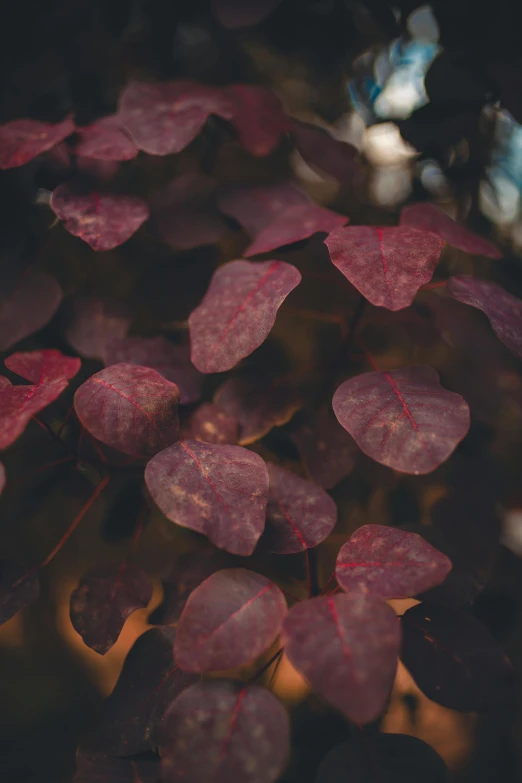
<point x="266" y="666"/>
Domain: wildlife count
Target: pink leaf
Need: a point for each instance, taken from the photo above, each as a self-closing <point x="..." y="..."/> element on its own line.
<point x="19" y="403"/>
<point x="387" y="265"/>
<point x="23" y="140"/>
<point x="28" y="308"/>
<point x="389" y="563"/>
<point x="43" y="366"/>
<point x="325" y="448"/>
<point x="430" y="218"/>
<point x="103" y="220"/>
<point x="19" y="587"/>
<point x="503" y="310"/>
<point x="255" y="206"/>
<point x="258" y="404"/>
<point x="403" y="418"/>
<point x="220" y="491"/>
<point x="130" y="408"/>
<point x="94" y="323"/>
<point x="294" y="224"/>
<point x="258" y="116"/>
<point x="170" y="360"/>
<point x="346" y="646"/>
<point x="236" y="13"/>
<point x="228" y="621"/>
<point x="105" y="139"/>
<point x="164" y="118"/>
<point x="299" y="514"/>
<point x="220" y="731"/>
<point x="211" y="424"/>
<point x="106" y="596"/>
<point x="320" y="150"/>
<point x="238" y="311"/>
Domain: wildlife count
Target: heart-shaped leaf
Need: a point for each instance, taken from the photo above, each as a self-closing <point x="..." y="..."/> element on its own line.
<point x="43" y="366"/>
<point x="170" y="360"/>
<point x="258" y="116"/>
<point x="320" y="150"/>
<point x="294" y="224"/>
<point x="387" y="265"/>
<point x="403" y="418"/>
<point x="453" y="658"/>
<point x="238" y="311"/>
<point x="255" y="206"/>
<point x="388" y="758"/>
<point x="211" y="424"/>
<point x="97" y="768"/>
<point x="428" y="217"/>
<point x="103" y="220"/>
<point x="228" y="621"/>
<point x="23" y="140"/>
<point x="503" y="310"/>
<point x="220" y="731"/>
<point x="299" y="514"/>
<point x="131" y="719"/>
<point x="19" y="587"/>
<point x="19" y="403"/>
<point x="220" y="491"/>
<point x="129" y="408"/>
<point x="165" y="117"/>
<point x="325" y="448"/>
<point x="28" y="307"/>
<point x="236" y="13"/>
<point x="258" y="404"/>
<point x="389" y="563"/>
<point x="346" y="646"/>
<point x="94" y="322"/>
<point x="105" y="139"/>
<point x="104" y="599"/>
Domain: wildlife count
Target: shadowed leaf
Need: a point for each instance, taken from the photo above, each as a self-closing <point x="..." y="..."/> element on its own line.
<point x="28" y="308"/>
<point x="403" y="418"/>
<point x="320" y="150"/>
<point x="255" y="206"/>
<point x="43" y="366"/>
<point x="220" y="491"/>
<point x="294" y="224"/>
<point x="23" y="140"/>
<point x="236" y="13"/>
<point x="346" y="646"/>
<point x="325" y="448"/>
<point x="104" y="599"/>
<point x="238" y="311"/>
<point x="97" y="768"/>
<point x="19" y="587"/>
<point x="19" y="403"/>
<point x="211" y="424"/>
<point x="94" y="322"/>
<point x="220" y="731"/>
<point x="258" y="116"/>
<point x="387" y="265"/>
<point x="105" y="139"/>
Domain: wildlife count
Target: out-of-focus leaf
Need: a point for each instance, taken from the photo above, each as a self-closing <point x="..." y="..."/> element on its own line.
<point x="94" y="322"/>
<point x="320" y="150"/>
<point x="255" y="206"/>
<point x="294" y="224"/>
<point x="22" y="140"/>
<point x="325" y="448"/>
<point x="105" y="139"/>
<point x="212" y="424"/>
<point x="428" y="217"/>
<point x="258" y="116"/>
<point x="19" y="587"/>
<point x="28" y="307"/>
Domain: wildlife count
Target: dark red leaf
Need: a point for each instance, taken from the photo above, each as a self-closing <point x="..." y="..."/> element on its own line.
<point x="387" y="265"/>
<point x="103" y="220"/>
<point x="19" y="587"/>
<point x="389" y="563"/>
<point x="23" y="140"/>
<point x="220" y="731"/>
<point x="294" y="224"/>
<point x="453" y="658"/>
<point x="503" y="310"/>
<point x="97" y="768"/>
<point x="236" y="13"/>
<point x="103" y="600"/>
<point x="255" y="206"/>
<point x="131" y="719"/>
<point x="238" y="311"/>
<point x="105" y="139"/>
<point x="387" y="758"/>
<point x="94" y="323"/>
<point x="164" y="118"/>
<point x="346" y="646"/>
<point x="28" y="308"/>
<point x="320" y="150"/>
<point x="258" y="116"/>
<point x="211" y="424"/>
<point x="228" y="621"/>
<point x="220" y="491"/>
<point x="258" y="404"/>
<point x="325" y="448"/>
<point x="2" y="477"/>
<point x="19" y="403"/>
<point x="170" y="360"/>
<point x="43" y="366"/>
<point x="129" y="408"/>
<point x="299" y="514"/>
<point x="191" y="188"/>
<point x="403" y="418"/>
<point x="188" y="228"/>
<point x="430" y="218"/>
